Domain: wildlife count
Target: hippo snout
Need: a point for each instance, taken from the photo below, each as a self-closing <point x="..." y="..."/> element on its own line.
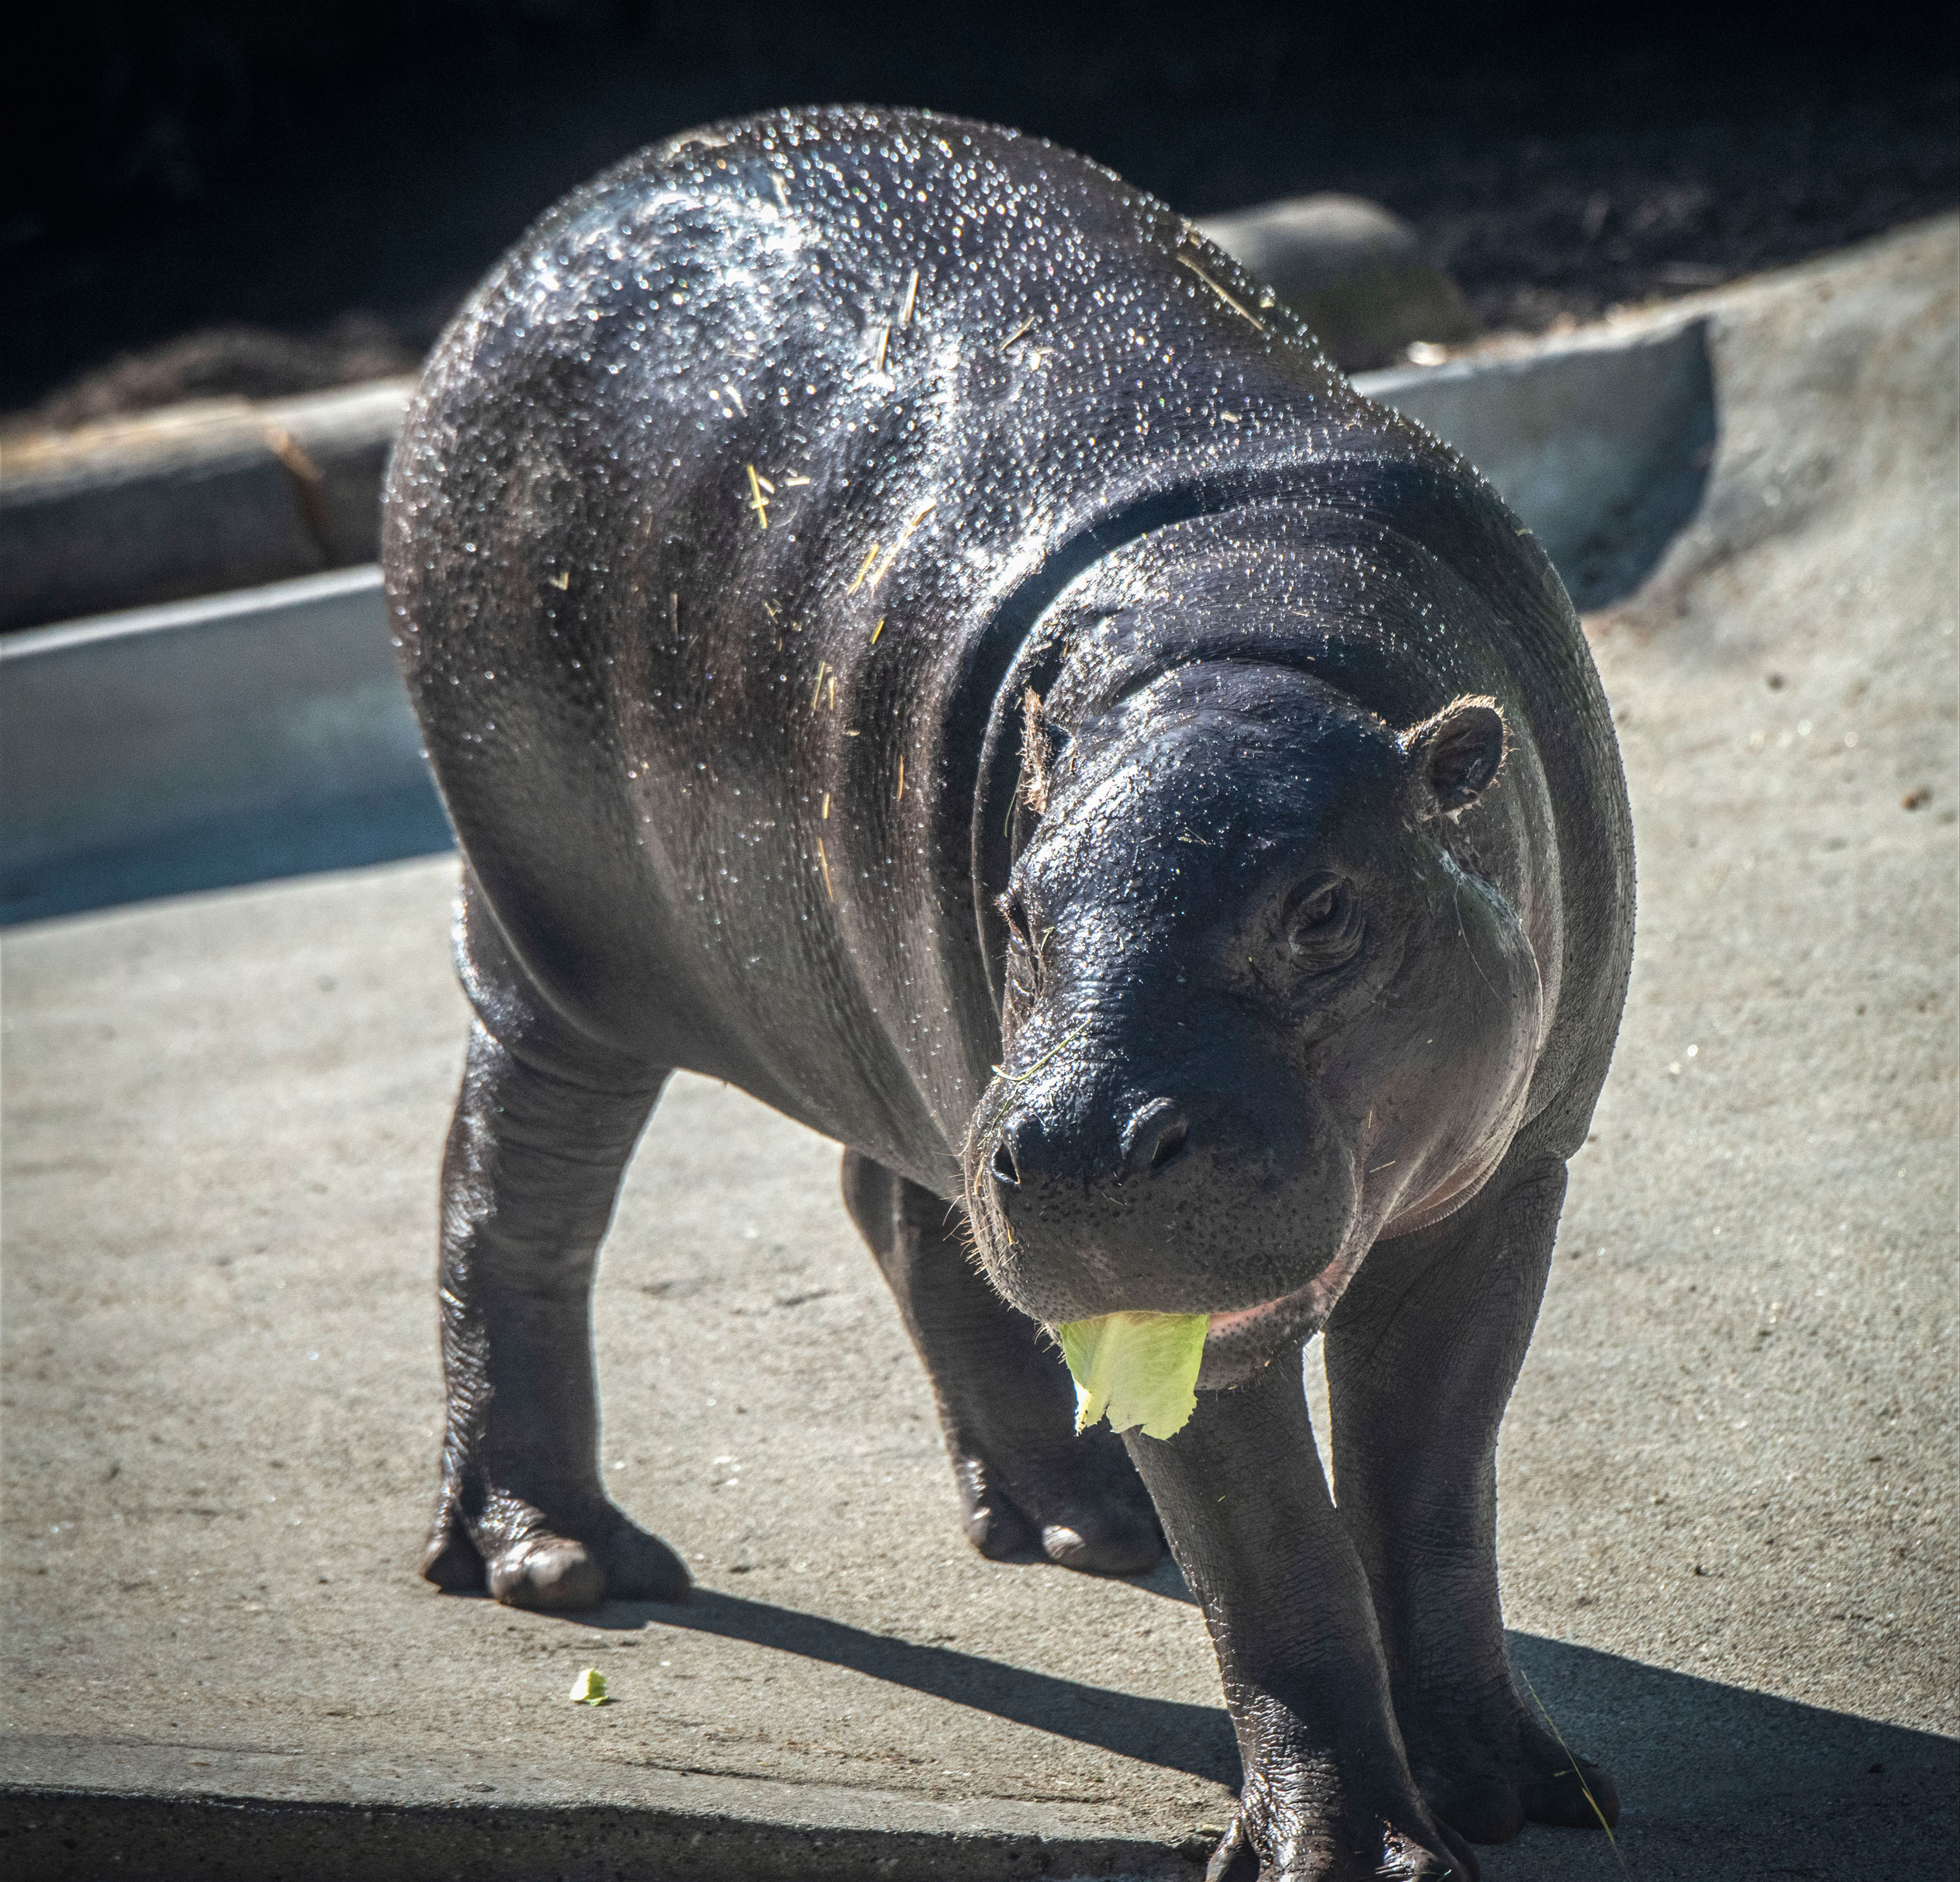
<point x="1156" y="1134"/>
<point x="1165" y="1200"/>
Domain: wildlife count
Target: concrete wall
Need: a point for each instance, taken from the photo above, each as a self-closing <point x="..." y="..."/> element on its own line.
<point x="201" y="743"/>
<point x="264" y="733"/>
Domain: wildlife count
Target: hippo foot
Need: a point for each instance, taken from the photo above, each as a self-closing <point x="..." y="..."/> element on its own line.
<point x="1085" y="1508"/>
<point x="1487" y="1787"/>
<point x="1270" y="1841"/>
<point x="524" y="1559"/>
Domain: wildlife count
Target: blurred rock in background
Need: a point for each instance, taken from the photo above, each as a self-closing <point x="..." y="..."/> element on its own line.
<point x="1356" y="274"/>
<point x="224" y="362"/>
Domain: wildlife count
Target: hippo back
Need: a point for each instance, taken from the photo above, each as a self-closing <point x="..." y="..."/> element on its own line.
<point x="739" y="500"/>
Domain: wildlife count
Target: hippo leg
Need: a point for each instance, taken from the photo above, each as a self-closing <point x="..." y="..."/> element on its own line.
<point x="1421" y="1354"/>
<point x="542" y="1132"/>
<point x="1328" y="1795"/>
<point x="1005" y="1403"/>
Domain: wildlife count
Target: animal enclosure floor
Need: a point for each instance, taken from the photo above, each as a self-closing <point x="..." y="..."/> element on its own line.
<point x="1727" y="1482"/>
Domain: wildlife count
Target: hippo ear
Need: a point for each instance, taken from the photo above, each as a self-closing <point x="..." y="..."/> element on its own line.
<point x="1458" y="753"/>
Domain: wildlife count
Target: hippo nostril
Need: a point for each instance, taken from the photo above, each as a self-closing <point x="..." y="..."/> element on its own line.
<point x="1004" y="1169"/>
<point x="1155" y="1135"/>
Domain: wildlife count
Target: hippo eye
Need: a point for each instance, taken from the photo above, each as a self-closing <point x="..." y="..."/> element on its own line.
<point x="1320" y="925"/>
<point x="1316" y="910"/>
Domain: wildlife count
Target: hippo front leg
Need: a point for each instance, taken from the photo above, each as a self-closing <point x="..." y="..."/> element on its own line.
<point x="543" y="1125"/>
<point x="1005" y="1403"/>
<point x="1421" y="1354"/>
<point x="1328" y="1792"/>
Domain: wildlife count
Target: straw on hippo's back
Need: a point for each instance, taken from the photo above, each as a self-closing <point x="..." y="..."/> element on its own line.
<point x="887" y="605"/>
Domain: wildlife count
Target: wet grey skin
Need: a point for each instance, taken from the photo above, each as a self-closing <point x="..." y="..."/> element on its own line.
<point x="904" y="626"/>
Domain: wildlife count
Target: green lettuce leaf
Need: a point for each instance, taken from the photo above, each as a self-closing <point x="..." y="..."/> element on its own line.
<point x="1140" y="1368"/>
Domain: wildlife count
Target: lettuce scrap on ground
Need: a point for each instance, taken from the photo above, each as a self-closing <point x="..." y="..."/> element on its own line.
<point x="1140" y="1368"/>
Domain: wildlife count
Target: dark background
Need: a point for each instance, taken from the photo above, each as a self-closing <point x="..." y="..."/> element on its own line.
<point x="332" y="175"/>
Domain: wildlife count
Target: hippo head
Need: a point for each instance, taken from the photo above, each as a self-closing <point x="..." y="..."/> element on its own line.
<point x="1256" y="1015"/>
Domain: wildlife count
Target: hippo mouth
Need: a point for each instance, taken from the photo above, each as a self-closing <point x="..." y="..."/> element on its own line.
<point x="1224" y="1326"/>
<point x="1241" y="1343"/>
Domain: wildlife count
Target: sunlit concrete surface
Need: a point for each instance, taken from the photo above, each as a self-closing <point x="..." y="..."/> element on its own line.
<point x="1727" y="1482"/>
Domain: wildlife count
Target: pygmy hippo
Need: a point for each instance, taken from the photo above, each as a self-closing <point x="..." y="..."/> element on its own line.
<point x="904" y="626"/>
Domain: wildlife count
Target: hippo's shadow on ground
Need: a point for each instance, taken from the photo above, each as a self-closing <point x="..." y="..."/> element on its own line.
<point x="1175" y="1736"/>
<point x="1702" y="1767"/>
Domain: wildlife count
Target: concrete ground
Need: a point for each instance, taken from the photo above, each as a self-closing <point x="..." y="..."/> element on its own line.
<point x="1726" y="1483"/>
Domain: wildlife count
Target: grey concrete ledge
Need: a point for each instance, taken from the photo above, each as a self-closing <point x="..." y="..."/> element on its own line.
<point x="1601" y="442"/>
<point x="72" y="1838"/>
<point x="203" y="498"/>
<point x="1597" y="438"/>
<point x="73" y="1810"/>
<point x="198" y="744"/>
<point x="192" y="499"/>
<point x="264" y="732"/>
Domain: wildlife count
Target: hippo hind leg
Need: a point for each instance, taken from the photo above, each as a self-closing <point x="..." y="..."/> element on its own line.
<point x="1004" y="1400"/>
<point x="543" y="1129"/>
<point x="1421" y="1354"/>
